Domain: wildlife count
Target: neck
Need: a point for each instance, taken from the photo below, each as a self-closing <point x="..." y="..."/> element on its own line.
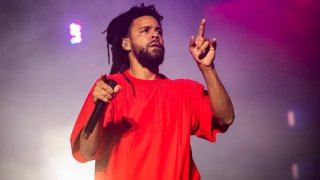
<point x="138" y="71"/>
<point x="143" y="73"/>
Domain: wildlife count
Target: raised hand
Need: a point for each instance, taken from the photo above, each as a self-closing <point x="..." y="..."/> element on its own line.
<point x="201" y="49"/>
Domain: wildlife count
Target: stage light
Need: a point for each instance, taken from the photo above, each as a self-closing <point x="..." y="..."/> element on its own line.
<point x="75" y="33"/>
<point x="291" y="119"/>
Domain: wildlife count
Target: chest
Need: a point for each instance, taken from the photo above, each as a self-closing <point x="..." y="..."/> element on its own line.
<point x="154" y="109"/>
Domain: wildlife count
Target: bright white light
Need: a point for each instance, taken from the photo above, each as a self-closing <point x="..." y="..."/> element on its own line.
<point x="56" y="158"/>
<point x="75" y="26"/>
<point x="75" y="33"/>
<point x="291" y="118"/>
<point x="75" y="40"/>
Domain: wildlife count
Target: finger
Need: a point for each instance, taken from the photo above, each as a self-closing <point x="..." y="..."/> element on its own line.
<point x="101" y="84"/>
<point x="117" y="88"/>
<point x="103" y="98"/>
<point x="214" y="43"/>
<point x="202" y="27"/>
<point x="204" y="46"/>
<point x="99" y="95"/>
<point x="192" y="42"/>
<point x="199" y="41"/>
<point x="103" y="93"/>
<point x="104" y="86"/>
<point x="109" y="90"/>
<point x="101" y="89"/>
<point x="107" y="95"/>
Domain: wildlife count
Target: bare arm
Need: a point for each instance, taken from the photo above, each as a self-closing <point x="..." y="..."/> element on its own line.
<point x="90" y="144"/>
<point x="203" y="52"/>
<point x="220" y="101"/>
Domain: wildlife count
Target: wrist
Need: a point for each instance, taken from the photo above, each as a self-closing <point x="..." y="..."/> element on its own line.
<point x="204" y="68"/>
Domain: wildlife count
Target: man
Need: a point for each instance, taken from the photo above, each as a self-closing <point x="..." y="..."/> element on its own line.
<point x="144" y="131"/>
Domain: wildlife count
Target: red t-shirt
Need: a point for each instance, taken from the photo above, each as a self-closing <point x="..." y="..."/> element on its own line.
<point x="147" y="134"/>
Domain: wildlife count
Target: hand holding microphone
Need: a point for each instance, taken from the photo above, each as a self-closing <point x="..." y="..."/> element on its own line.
<point x="103" y="92"/>
<point x="105" y="89"/>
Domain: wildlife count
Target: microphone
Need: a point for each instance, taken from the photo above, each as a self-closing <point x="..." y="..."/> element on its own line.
<point x="97" y="109"/>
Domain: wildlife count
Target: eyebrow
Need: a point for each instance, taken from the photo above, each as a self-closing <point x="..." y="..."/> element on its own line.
<point x="151" y="26"/>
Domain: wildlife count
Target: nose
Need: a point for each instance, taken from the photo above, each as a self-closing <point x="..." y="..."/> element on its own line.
<point x="155" y="35"/>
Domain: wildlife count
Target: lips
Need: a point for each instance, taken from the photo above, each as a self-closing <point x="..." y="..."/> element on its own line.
<point x="155" y="44"/>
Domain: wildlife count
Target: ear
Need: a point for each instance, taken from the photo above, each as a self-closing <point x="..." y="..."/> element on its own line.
<point x="126" y="45"/>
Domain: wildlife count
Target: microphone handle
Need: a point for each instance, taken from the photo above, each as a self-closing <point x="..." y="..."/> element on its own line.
<point x="99" y="107"/>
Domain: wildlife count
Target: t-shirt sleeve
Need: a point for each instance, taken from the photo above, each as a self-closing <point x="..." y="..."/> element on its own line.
<point x="80" y="123"/>
<point x="202" y="123"/>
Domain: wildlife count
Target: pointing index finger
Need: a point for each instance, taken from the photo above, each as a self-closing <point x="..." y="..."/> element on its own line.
<point x="201" y="27"/>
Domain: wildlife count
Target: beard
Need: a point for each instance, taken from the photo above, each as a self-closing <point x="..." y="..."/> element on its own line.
<point x="149" y="58"/>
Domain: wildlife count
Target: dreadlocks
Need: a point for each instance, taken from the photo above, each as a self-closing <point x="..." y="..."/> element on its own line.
<point x="119" y="28"/>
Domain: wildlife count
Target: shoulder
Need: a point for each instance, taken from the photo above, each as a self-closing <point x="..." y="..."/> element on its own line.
<point x="118" y="77"/>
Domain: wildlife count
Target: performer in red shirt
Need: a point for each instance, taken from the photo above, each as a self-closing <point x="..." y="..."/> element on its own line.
<point x="144" y="131"/>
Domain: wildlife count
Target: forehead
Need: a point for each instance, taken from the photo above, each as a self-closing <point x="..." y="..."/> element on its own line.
<point x="144" y="21"/>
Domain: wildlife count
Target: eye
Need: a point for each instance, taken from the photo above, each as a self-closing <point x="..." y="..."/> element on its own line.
<point x="146" y="30"/>
<point x="159" y="31"/>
